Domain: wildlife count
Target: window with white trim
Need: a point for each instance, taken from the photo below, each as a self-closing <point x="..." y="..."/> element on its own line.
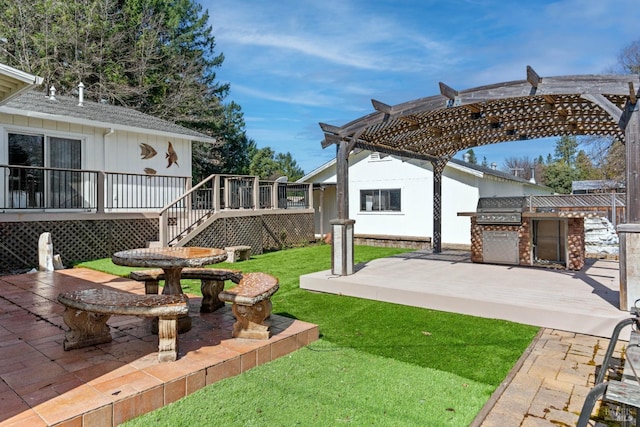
<point x="380" y="200"/>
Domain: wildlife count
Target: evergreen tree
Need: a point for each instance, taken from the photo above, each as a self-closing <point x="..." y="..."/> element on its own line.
<point x="566" y="149"/>
<point x="584" y="167"/>
<point x="157" y="56"/>
<point x="559" y="176"/>
<point x="263" y="164"/>
<point x="289" y="167"/>
<point x="472" y="157"/>
<point x="266" y="164"/>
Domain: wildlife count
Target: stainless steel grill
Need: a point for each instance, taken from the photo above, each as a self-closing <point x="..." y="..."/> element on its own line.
<point x="500" y="210"/>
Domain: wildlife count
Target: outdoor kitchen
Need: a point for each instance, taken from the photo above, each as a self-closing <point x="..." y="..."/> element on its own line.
<point x="543" y="231"/>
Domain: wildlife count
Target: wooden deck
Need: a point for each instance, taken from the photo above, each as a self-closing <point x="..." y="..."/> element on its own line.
<point x="107" y="384"/>
<point x="584" y="302"/>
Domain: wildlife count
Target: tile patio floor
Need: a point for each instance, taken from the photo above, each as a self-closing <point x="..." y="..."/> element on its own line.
<point x="104" y="385"/>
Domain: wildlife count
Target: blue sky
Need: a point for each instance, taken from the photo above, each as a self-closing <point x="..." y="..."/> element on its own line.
<point x="293" y="63"/>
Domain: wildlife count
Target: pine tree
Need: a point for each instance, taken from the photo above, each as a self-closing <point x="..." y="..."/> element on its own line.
<point x="156" y="56"/>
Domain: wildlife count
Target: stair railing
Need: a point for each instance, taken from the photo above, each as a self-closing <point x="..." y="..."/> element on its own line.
<point x="181" y="216"/>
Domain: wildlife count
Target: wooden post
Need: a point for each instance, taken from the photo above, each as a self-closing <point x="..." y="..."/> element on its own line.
<point x="309" y="196"/>
<point x="227" y="181"/>
<point x="632" y="144"/>
<point x="321" y="211"/>
<point x="629" y="232"/>
<point x="438" y="169"/>
<point x="163" y="236"/>
<point x="256" y="192"/>
<point x="215" y="197"/>
<point x="342" y="247"/>
<point x="342" y="227"/>
<point x="342" y="180"/>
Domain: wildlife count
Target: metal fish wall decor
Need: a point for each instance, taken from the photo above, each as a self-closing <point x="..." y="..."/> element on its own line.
<point x="171" y="156"/>
<point x="147" y="151"/>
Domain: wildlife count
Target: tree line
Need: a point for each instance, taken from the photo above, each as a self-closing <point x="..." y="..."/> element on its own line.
<point x="604" y="160"/>
<point x="155" y="56"/>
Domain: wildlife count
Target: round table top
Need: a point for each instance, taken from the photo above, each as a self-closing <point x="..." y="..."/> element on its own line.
<point x="169" y="257"/>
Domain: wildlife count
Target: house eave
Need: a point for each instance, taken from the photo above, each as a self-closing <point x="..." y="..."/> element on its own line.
<point x="317" y="170"/>
<point x="14" y="82"/>
<point x="104" y="125"/>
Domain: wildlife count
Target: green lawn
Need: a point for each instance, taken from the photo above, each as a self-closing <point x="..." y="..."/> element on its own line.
<point x="375" y="364"/>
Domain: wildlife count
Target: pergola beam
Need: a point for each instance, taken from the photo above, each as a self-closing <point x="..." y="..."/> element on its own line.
<point x="330" y="139"/>
<point x="326" y="128"/>
<point x="380" y="106"/>
<point x="608" y="106"/>
<point x="533" y="78"/>
<point x="448" y="91"/>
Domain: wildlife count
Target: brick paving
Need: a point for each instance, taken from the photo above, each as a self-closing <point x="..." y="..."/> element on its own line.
<point x="549" y="384"/>
<point x="107" y="384"/>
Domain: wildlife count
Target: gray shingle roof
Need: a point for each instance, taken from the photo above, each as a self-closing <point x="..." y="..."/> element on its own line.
<point x="490" y="171"/>
<point x="66" y="109"/>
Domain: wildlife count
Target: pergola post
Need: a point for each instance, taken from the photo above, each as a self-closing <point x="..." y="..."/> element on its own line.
<point x="629" y="232"/>
<point x="342" y="228"/>
<point x="438" y="169"/>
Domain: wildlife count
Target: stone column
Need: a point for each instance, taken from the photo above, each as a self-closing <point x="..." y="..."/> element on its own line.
<point x="342" y="247"/>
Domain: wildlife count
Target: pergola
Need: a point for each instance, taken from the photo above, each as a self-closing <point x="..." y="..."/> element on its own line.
<point x="435" y="128"/>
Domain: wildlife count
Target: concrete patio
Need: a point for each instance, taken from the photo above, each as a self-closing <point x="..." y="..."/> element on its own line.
<point x="105" y="385"/>
<point x="584" y="302"/>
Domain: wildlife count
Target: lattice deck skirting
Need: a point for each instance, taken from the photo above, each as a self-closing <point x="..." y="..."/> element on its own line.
<point x="74" y="240"/>
<point x="81" y="240"/>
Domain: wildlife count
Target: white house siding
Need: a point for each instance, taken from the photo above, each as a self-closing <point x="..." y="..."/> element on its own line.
<point x="416" y="190"/>
<point x="461" y="188"/>
<point x="122" y="154"/>
<point x="460" y="193"/>
<point x="324" y="204"/>
<point x="118" y="152"/>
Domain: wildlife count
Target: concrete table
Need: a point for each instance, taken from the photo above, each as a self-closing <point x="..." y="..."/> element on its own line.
<point x="171" y="260"/>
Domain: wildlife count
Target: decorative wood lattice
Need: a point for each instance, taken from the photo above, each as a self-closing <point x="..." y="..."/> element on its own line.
<point x="442" y="125"/>
<point x="73" y="240"/>
<point x="86" y="240"/>
<point x="260" y="232"/>
<point x="234" y="231"/>
<point x="287" y="230"/>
